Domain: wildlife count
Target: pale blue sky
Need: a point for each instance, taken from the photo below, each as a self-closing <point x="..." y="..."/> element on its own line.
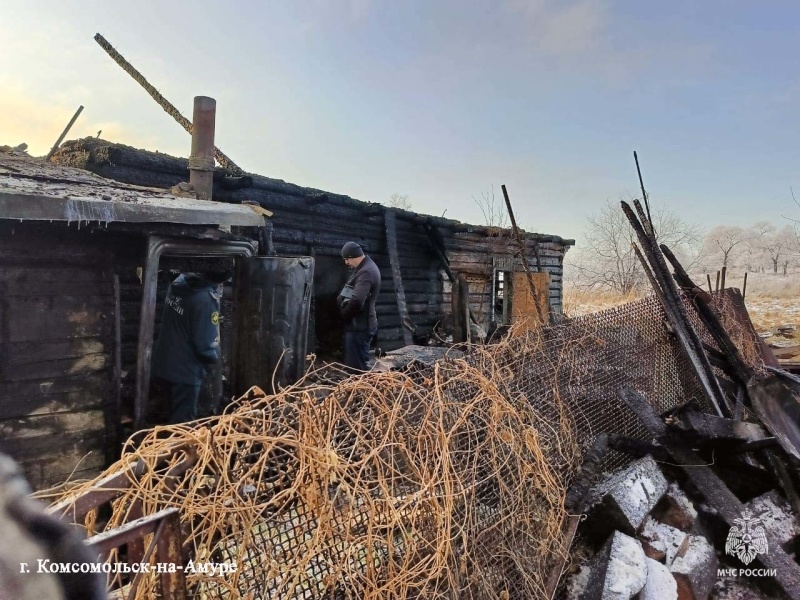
<point x="440" y="100"/>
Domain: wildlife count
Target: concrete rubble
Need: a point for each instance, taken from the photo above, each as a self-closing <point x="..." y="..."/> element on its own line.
<point x="776" y="516"/>
<point x="662" y="547"/>
<point x="628" y="496"/>
<point x="695" y="568"/>
<point x="619" y="571"/>
<point x="661" y="584"/>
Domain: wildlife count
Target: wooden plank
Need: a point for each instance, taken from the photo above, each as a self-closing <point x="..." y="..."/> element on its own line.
<point x="55" y="281"/>
<point x="52" y="425"/>
<point x="59" y="368"/>
<point x="93" y="384"/>
<point x="45" y="405"/>
<point x="24" y="353"/>
<point x="459" y="257"/>
<point x="391" y="309"/>
<point x="74" y="464"/>
<point x="49" y="481"/>
<point x="43" y="448"/>
<point x="32" y="318"/>
<point x="416" y="287"/>
<point x="712" y="427"/>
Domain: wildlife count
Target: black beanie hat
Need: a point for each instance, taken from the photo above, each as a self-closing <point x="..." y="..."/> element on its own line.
<point x="217" y="275"/>
<point x="352" y="250"/>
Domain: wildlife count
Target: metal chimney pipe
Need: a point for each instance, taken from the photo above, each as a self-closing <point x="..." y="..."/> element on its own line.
<point x="201" y="161"/>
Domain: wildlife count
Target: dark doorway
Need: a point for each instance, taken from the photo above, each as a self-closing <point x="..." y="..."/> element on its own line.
<point x="330" y="275"/>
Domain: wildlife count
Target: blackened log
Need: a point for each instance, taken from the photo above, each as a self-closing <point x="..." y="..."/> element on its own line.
<point x="675" y="310"/>
<point x="702" y="301"/>
<point x="592" y="461"/>
<point x="711" y="427"/>
<point x="637" y="448"/>
<point x="397" y="278"/>
<point x="460" y="310"/>
<point x="755" y="446"/>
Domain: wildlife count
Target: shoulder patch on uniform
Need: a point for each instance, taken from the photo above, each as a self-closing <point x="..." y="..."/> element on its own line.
<point x="215" y="318"/>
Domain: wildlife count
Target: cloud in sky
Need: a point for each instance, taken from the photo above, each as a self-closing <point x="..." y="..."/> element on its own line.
<point x="563" y="28"/>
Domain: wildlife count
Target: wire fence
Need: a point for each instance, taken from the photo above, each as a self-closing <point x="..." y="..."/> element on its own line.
<point x="442" y="481"/>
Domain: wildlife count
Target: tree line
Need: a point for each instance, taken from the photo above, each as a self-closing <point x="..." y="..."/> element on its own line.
<point x="605" y="259"/>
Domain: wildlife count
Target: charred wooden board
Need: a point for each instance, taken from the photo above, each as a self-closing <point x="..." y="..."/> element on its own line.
<point x="703" y="426"/>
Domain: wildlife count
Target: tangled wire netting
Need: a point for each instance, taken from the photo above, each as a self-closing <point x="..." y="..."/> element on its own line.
<point x="440" y="481"/>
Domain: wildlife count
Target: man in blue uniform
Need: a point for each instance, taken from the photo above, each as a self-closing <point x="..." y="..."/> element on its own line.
<point x="188" y="340"/>
<point x="357" y="305"/>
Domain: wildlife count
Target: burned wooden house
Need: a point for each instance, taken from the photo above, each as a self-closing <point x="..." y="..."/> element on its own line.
<point x="419" y="255"/>
<point x="87" y="254"/>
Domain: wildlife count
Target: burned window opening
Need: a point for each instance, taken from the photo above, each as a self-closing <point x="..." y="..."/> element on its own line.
<point x="502" y="297"/>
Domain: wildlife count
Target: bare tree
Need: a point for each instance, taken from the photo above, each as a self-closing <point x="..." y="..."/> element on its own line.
<point x="606" y="259"/>
<point x="493" y="209"/>
<point x="724" y="243"/>
<point x="778" y="245"/>
<point x="399" y="201"/>
<point x="751" y="254"/>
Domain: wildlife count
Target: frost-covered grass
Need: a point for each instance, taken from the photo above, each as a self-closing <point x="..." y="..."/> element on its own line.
<point x="772" y="300"/>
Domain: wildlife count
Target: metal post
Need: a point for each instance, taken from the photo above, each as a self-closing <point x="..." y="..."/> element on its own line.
<point x="201" y="161"/>
<point x="744" y="285"/>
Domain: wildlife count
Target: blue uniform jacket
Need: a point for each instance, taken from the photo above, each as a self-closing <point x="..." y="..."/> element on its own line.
<point x="188" y="339"/>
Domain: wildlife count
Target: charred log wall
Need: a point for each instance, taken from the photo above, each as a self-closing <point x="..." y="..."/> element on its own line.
<point x="57" y="349"/>
<point x="315" y="223"/>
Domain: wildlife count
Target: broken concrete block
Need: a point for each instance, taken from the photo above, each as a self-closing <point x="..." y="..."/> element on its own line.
<point x="660" y="584"/>
<point x="576" y="584"/>
<point x="619" y="570"/>
<point x="695" y="568"/>
<point x="653" y="553"/>
<point x="658" y="539"/>
<point x="623" y="500"/>
<point x="776" y="515"/>
<point x="676" y="510"/>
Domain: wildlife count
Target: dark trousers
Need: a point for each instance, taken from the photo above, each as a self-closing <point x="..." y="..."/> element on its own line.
<point x="356" y="349"/>
<point x="183" y="401"/>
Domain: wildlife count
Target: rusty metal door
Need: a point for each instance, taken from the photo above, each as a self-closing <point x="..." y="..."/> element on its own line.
<point x="273" y="298"/>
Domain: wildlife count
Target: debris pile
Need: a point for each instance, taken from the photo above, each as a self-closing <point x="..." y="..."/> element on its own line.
<point x="730" y="448"/>
<point x="645" y="538"/>
<point x="466" y="477"/>
<point x="387" y="485"/>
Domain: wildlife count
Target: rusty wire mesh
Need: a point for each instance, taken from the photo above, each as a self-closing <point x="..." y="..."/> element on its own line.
<point x="444" y="481"/>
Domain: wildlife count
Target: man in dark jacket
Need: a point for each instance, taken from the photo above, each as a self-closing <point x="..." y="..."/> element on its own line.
<point x="357" y="305"/>
<point x="188" y="341"/>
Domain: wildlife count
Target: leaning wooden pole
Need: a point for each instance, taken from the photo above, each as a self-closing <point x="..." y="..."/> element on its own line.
<point x="64" y="133"/>
<point x="168" y="107"/>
